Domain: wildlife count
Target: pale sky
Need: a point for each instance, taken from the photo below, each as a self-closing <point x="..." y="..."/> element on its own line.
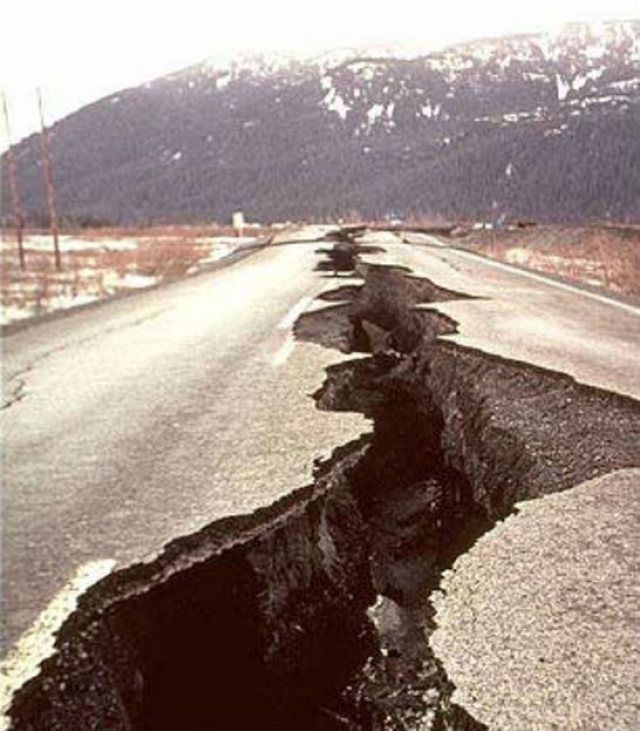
<point x="81" y="50"/>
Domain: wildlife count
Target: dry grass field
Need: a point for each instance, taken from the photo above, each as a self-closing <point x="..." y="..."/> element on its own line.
<point x="602" y="256"/>
<point x="99" y="263"/>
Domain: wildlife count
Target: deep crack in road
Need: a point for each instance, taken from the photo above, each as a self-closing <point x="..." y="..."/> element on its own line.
<point x="315" y="612"/>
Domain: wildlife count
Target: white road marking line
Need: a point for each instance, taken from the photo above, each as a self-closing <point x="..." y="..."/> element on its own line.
<point x="552" y="282"/>
<point x="294" y="313"/>
<point x="38" y="642"/>
<point x="284" y="352"/>
<point x="541" y="278"/>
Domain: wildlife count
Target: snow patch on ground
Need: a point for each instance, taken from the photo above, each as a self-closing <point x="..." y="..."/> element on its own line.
<point x="366" y="69"/>
<point x="626" y="85"/>
<point x="374" y="114"/>
<point x="564" y="87"/>
<point x="581" y="80"/>
<point x="595" y="51"/>
<point x="97" y="268"/>
<point x="42" y="242"/>
<point x="555" y="131"/>
<point x="430" y="111"/>
<point x="595" y="100"/>
<point x="223" y="81"/>
<point x="335" y="103"/>
<point x="136" y="281"/>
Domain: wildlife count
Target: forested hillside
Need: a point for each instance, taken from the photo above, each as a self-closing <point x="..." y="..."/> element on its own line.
<point x="535" y="127"/>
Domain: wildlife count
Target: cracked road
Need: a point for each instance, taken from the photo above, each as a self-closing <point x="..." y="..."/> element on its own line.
<point x="526" y="317"/>
<point x="142" y="420"/>
<point x="145" y="419"/>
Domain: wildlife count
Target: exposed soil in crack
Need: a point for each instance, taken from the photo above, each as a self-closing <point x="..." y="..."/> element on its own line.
<point x="342" y="258"/>
<point x="459" y="438"/>
<point x="314" y="613"/>
<point x="379" y="315"/>
<point x="254" y="622"/>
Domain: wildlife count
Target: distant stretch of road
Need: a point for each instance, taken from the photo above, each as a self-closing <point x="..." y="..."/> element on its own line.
<point x="142" y="420"/>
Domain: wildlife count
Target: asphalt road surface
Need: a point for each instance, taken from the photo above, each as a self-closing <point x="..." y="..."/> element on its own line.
<point x="527" y="317"/>
<point x="144" y="419"/>
<point x="538" y="622"/>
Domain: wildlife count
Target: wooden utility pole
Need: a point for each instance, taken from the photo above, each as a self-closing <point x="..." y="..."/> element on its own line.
<point x="13" y="185"/>
<point x="48" y="180"/>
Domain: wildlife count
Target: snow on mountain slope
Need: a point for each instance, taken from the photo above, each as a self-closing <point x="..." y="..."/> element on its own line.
<point x="378" y="131"/>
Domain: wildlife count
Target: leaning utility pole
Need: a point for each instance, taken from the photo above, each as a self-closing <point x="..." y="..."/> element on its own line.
<point x="48" y="179"/>
<point x="13" y="184"/>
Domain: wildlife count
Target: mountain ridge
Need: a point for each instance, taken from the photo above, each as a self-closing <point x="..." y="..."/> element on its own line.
<point x="535" y="126"/>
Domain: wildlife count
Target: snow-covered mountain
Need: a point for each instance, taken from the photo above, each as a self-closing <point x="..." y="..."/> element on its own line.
<point x="530" y="126"/>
